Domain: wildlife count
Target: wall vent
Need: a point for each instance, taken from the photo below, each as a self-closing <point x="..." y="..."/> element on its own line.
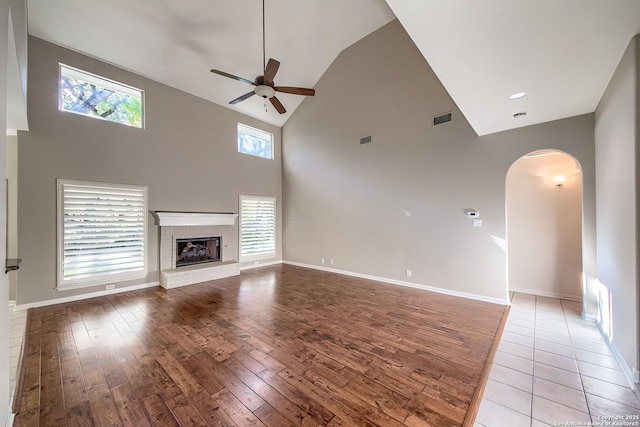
<point x="441" y="118"/>
<point x="365" y="139"/>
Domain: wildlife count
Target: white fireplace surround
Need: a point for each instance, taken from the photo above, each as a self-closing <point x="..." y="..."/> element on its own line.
<point x="185" y="225"/>
<point x="164" y="219"/>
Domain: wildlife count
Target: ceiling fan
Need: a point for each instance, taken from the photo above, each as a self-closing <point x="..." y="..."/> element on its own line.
<point x="264" y="84"/>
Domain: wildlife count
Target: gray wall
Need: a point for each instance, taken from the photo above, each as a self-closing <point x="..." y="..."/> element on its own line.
<point x="397" y="203"/>
<point x="186" y="155"/>
<point x="616" y="134"/>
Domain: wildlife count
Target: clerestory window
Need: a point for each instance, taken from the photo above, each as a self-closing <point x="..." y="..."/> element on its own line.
<point x="84" y="93"/>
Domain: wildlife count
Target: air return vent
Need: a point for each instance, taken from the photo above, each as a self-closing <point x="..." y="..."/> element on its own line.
<point x="365" y="139"/>
<point x="442" y="118"/>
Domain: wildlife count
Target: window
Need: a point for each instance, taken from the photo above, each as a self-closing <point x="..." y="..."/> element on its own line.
<point x="90" y="95"/>
<point x="101" y="233"/>
<point x="255" y="142"/>
<point x="257" y="227"/>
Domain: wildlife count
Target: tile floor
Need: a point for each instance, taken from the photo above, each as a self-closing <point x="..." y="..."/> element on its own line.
<point x="551" y="368"/>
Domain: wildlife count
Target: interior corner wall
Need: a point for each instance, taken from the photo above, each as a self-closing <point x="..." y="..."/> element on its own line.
<point x="186" y="155"/>
<point x="397" y="203"/>
<point x="617" y="166"/>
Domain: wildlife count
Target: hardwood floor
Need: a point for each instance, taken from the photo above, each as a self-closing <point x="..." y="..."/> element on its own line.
<point x="276" y="346"/>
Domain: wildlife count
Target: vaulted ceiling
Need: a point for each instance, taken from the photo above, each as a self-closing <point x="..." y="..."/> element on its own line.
<point x="562" y="53"/>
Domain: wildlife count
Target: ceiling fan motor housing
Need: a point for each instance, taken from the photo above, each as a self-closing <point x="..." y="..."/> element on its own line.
<point x="265" y="91"/>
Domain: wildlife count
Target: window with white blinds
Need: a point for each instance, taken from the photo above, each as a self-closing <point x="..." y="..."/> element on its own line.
<point x="101" y="233"/>
<point x="257" y="227"/>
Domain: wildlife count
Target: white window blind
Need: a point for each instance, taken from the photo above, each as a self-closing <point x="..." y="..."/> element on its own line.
<point x="257" y="227"/>
<point x="101" y="233"/>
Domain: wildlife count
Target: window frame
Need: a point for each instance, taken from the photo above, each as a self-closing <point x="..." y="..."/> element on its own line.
<point x="256" y="133"/>
<point x="97" y="279"/>
<point x="255" y="256"/>
<point x="106" y="83"/>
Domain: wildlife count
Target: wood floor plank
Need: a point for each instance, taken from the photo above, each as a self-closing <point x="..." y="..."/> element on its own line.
<point x="184" y="412"/>
<point x="80" y="415"/>
<point x="158" y="413"/>
<point x="275" y="346"/>
<point x="73" y="383"/>
<point x="129" y="408"/>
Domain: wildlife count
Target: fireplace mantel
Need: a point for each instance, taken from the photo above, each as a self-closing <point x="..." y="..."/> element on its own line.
<point x="181" y="219"/>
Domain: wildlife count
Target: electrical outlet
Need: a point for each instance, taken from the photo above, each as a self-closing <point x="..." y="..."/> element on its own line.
<point x="408" y="273"/>
<point x="111" y="287"/>
<point x="331" y="261"/>
<point x="322" y="260"/>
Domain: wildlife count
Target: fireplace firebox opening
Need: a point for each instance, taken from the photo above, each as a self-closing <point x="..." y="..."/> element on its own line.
<point x="197" y="250"/>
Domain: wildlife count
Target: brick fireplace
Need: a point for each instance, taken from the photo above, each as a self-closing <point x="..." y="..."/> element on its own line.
<point x="175" y="226"/>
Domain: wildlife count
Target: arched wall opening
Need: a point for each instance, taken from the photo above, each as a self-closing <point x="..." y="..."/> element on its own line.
<point x="544" y="225"/>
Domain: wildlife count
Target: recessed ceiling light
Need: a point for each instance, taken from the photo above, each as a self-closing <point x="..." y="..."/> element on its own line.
<point x="520" y="114"/>
<point x="517" y="95"/>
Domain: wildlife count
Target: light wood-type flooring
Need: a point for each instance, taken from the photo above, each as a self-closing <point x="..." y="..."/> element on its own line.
<point x="276" y="346"/>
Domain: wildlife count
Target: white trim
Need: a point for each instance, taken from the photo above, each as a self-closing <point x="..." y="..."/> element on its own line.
<point x="476" y="297"/>
<point x="181" y="219"/>
<point x="558" y="295"/>
<point x="258" y="264"/>
<point x="626" y="369"/>
<point x="80" y="297"/>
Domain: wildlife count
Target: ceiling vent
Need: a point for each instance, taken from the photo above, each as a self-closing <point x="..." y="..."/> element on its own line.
<point x="442" y="118"/>
<point x="365" y="140"/>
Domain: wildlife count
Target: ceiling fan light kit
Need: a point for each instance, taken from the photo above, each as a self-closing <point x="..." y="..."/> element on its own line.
<point x="265" y="91"/>
<point x="264" y="84"/>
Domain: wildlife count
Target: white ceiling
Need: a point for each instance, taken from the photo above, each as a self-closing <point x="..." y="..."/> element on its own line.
<point x="562" y="52"/>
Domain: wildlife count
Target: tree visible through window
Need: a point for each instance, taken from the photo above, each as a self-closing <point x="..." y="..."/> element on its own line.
<point x="255" y="142"/>
<point x="90" y="95"/>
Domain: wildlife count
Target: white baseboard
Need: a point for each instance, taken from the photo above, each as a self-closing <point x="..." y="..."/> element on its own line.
<point x="559" y="295"/>
<point x="80" y="297"/>
<point x="403" y="283"/>
<point x="629" y="373"/>
<point x="258" y="264"/>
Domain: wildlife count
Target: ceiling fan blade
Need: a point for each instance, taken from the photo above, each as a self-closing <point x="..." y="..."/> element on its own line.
<point x="271" y="70"/>
<point x="278" y="106"/>
<point x="242" y="98"/>
<point x="296" y="90"/>
<point x="231" y="76"/>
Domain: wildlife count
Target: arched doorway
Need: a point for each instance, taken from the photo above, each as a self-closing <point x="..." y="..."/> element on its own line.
<point x="544" y="225"/>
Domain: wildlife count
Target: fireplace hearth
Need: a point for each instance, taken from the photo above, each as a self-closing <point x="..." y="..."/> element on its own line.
<point x="198" y="250"/>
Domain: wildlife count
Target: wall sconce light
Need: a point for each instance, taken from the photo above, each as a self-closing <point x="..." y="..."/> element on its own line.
<point x="560" y="180"/>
